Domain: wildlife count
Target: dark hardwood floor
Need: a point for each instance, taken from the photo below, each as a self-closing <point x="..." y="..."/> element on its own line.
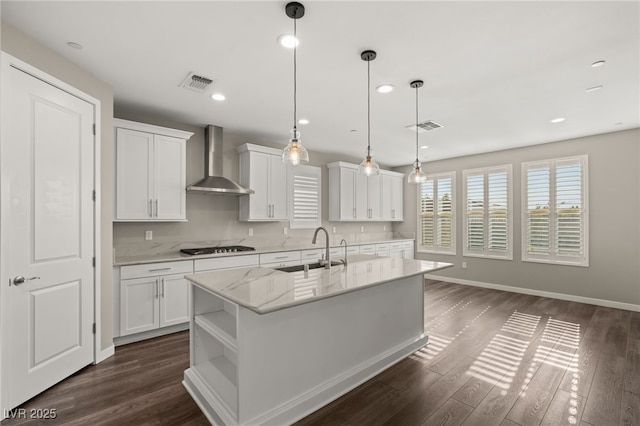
<point x="494" y="358"/>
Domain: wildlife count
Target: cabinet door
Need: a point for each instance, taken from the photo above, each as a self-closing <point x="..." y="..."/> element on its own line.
<point x="139" y="305"/>
<point x="374" y="192"/>
<point x="347" y="194"/>
<point x="397" y="198"/>
<point x="386" y="200"/>
<point x="133" y="175"/>
<point x="174" y="300"/>
<point x="361" y="196"/>
<point x="278" y="188"/>
<point x="169" y="178"/>
<point x="259" y="206"/>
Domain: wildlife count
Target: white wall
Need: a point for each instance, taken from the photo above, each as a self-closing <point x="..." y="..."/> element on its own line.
<point x="614" y="221"/>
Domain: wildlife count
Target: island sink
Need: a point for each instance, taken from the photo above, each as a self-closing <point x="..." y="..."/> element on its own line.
<point x="316" y="265"/>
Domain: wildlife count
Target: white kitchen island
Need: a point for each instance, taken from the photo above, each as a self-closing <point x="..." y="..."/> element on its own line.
<point x="270" y="347"/>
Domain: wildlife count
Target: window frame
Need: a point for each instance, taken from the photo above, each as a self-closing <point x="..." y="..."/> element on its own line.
<point x="487" y="252"/>
<point x="552" y="257"/>
<point x="451" y="251"/>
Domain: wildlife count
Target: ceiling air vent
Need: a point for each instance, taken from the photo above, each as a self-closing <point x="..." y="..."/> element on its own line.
<point x="424" y="126"/>
<point x="197" y="83"/>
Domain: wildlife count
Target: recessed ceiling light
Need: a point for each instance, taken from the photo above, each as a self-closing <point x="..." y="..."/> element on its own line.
<point x="424" y="147"/>
<point x="558" y="120"/>
<point x="288" y="41"/>
<point x="593" y="89"/>
<point x="303" y="121"/>
<point x="74" y="45"/>
<point x="597" y="64"/>
<point x="218" y="97"/>
<point x="384" y="88"/>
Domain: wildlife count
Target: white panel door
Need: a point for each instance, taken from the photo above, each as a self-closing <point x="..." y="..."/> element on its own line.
<point x="169" y="178"/>
<point x="374" y="195"/>
<point x="361" y="202"/>
<point x="397" y="198"/>
<point x="347" y="194"/>
<point x="47" y="166"/>
<point x="133" y="174"/>
<point x="174" y="300"/>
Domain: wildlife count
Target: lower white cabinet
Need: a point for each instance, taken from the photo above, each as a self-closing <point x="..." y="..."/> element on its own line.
<point x="153" y="296"/>
<point x="407" y="249"/>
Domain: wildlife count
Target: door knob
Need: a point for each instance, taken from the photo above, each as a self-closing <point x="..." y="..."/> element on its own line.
<point x="20" y="279"/>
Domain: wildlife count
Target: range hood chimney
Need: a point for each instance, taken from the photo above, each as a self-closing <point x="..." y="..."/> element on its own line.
<point x="214" y="183"/>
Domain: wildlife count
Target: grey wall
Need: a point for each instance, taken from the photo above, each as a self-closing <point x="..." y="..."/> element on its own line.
<point x="614" y="221"/>
<point x="216" y="217"/>
<point x="23" y="47"/>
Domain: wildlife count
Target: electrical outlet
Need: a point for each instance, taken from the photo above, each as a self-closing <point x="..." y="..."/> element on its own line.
<point x="464" y="265"/>
<point x="148" y="235"/>
<point x="251" y="232"/>
<point x="285" y="231"/>
<point x="384" y="227"/>
<point x="334" y="229"/>
<point x="362" y="229"/>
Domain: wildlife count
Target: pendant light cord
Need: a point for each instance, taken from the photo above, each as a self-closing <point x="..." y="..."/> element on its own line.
<point x="416" y="125"/>
<point x="368" y="108"/>
<point x="295" y="74"/>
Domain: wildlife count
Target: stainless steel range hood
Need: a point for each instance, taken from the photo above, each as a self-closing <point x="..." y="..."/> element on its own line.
<point x="214" y="183"/>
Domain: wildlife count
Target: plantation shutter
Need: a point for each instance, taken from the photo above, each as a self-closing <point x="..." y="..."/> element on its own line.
<point x="488" y="212"/>
<point x="436" y="213"/>
<point x="555" y="204"/>
<point x="305" y="197"/>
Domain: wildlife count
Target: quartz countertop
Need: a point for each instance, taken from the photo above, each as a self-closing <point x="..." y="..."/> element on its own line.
<point x="172" y="252"/>
<point x="265" y="290"/>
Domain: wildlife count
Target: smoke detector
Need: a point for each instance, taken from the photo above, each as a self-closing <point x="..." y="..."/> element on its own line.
<point x="196" y="83"/>
<point x="425" y="126"/>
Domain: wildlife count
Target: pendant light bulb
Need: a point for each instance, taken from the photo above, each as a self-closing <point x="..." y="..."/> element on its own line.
<point x="417" y="175"/>
<point x="369" y="166"/>
<point x="294" y="153"/>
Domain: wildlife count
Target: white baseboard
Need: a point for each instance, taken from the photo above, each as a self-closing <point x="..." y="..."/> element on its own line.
<point x="124" y="340"/>
<point x="532" y="292"/>
<point x="105" y="353"/>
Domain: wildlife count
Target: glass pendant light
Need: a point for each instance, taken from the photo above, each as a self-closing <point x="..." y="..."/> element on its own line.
<point x="417" y="175"/>
<point x="295" y="153"/>
<point x="369" y="166"/>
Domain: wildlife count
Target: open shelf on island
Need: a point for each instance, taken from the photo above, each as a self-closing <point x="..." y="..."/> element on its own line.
<point x="221" y="325"/>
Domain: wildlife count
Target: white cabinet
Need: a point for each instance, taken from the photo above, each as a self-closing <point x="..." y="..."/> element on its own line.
<point x="280" y="259"/>
<point x="395" y="249"/>
<point x="392" y="196"/>
<point x="357" y="197"/>
<point x="150" y="172"/>
<point x="153" y="296"/>
<point x="407" y="249"/>
<point x="262" y="170"/>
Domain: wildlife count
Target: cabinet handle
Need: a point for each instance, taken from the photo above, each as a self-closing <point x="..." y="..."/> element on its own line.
<point x="156" y="295"/>
<point x="156" y="207"/>
<point x="281" y="257"/>
<point x="270" y="210"/>
<point x="163" y="288"/>
<point x="159" y="269"/>
<point x="354" y="213"/>
<point x="150" y="208"/>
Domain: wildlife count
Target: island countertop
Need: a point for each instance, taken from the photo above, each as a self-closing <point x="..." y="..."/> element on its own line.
<point x="265" y="290"/>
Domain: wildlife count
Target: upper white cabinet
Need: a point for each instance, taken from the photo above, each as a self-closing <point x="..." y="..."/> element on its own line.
<point x="392" y="196"/>
<point x="150" y="172"/>
<point x="357" y="197"/>
<point x="262" y="170"/>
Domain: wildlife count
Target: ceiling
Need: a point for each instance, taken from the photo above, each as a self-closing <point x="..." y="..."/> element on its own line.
<point x="495" y="73"/>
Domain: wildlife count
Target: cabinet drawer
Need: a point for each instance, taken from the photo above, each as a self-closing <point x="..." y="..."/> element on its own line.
<point x="407" y="244"/>
<point x="353" y="250"/>
<point x="280" y="257"/>
<point x="368" y="249"/>
<point x="395" y="245"/>
<point x="311" y="255"/>
<point x="227" y="262"/>
<point x="156" y="269"/>
<point x="382" y="246"/>
<point x="281" y="264"/>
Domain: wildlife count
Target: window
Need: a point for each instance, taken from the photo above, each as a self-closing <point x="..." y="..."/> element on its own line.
<point x="555" y="219"/>
<point x="305" y="197"/>
<point x="436" y="217"/>
<point x="488" y="212"/>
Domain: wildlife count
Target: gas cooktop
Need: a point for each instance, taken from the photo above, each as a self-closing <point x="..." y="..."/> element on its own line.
<point x="216" y="250"/>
